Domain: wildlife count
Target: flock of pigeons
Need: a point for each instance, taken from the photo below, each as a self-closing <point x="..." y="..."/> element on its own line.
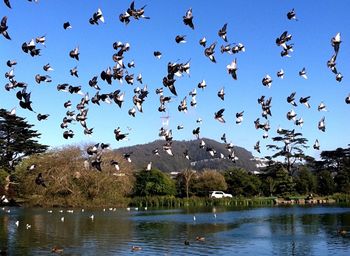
<point x="121" y="71"/>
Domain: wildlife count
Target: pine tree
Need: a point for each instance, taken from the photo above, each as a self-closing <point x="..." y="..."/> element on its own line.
<point x="291" y="150"/>
<point x="17" y="140"/>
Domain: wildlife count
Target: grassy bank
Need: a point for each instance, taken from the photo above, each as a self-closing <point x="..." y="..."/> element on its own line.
<point x="170" y="201"/>
<point x="173" y="202"/>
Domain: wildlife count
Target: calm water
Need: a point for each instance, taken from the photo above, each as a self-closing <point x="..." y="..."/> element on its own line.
<point x="256" y="231"/>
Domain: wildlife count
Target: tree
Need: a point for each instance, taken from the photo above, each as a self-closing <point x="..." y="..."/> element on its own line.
<point x="240" y="182"/>
<point x="326" y="184"/>
<point x="284" y="182"/>
<point x="336" y="159"/>
<point x="209" y="180"/>
<point x="277" y="180"/>
<point x="17" y="140"/>
<point x="184" y="182"/>
<point x="342" y="179"/>
<point x="270" y="185"/>
<point x="292" y="148"/>
<point x="69" y="182"/>
<point x="306" y="181"/>
<point x="153" y="183"/>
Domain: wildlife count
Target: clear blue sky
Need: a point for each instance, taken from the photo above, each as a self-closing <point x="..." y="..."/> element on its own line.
<point x="256" y="24"/>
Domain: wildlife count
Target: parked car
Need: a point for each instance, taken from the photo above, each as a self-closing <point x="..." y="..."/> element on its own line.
<point x="218" y="194"/>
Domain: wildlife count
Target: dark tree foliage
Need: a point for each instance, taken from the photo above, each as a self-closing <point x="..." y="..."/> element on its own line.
<point x="277" y="181"/>
<point x="242" y="183"/>
<point x="291" y="150"/>
<point x="17" y="140"/>
<point x="306" y="181"/>
<point x="335" y="160"/>
<point x="326" y="184"/>
<point x="153" y="183"/>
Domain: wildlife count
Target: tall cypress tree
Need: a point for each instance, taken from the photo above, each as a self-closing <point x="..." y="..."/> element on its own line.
<point x="17" y="140"/>
<point x="291" y="150"/>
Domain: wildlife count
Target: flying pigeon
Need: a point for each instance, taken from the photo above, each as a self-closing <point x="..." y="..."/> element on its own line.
<point x="157" y="54"/>
<point x="167" y="148"/>
<point x="280" y="74"/>
<point x="11" y="63"/>
<point x="47" y="67"/>
<point x="209" y="52"/>
<point x="299" y="122"/>
<point x="305" y="101"/>
<point x="291" y="98"/>
<point x="232" y="69"/>
<point x="321" y="107"/>
<point x="203" y="42"/>
<point x="322" y="125"/>
<point x="221" y="94"/>
<point x="41" y="117"/>
<point x="40" y="40"/>
<point x="202" y="84"/>
<point x="302" y="73"/>
<point x="188" y="18"/>
<point x="67" y="25"/>
<point x="257" y="146"/>
<point x="8" y="4"/>
<point x="226" y="48"/>
<point x="238" y="48"/>
<point x="180" y="39"/>
<point x="39" y="180"/>
<point x="291" y="115"/>
<point x="220" y="115"/>
<point x="149" y="166"/>
<point x="316" y="145"/>
<point x="267" y="81"/>
<point x="291" y="15"/>
<point x="336" y="40"/>
<point x="127" y="156"/>
<point x="347" y="99"/>
<point x="239" y="117"/>
<point x="185" y="153"/>
<point x="223" y="138"/>
<point x="222" y="32"/>
<point x="119" y="135"/>
<point x="97" y="16"/>
<point x="74" y="53"/>
<point x="339" y="77"/>
<point x="4" y="27"/>
<point x="96" y="163"/>
<point x="68" y="134"/>
<point x="196" y="132"/>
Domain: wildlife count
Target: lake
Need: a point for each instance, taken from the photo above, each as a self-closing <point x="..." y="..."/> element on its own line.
<point x="226" y="231"/>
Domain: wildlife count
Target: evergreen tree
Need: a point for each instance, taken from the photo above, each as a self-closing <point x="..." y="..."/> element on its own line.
<point x="292" y="149"/>
<point x="306" y="181"/>
<point x="17" y="140"/>
<point x="326" y="184"/>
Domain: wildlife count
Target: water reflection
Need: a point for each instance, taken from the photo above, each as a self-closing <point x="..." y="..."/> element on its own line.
<point x="262" y="231"/>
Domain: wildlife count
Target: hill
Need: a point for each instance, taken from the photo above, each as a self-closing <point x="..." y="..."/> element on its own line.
<point x="199" y="158"/>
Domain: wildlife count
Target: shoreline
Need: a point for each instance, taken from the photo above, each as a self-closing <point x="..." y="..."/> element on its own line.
<point x="174" y="202"/>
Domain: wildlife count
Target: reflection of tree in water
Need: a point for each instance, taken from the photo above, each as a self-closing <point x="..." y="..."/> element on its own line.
<point x="4" y="233"/>
<point x="77" y="231"/>
<point x="278" y="231"/>
<point x="331" y="224"/>
<point x="311" y="224"/>
<point x="287" y="237"/>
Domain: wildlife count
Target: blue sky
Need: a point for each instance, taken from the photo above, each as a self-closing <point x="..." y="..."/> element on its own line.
<point x="256" y="24"/>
